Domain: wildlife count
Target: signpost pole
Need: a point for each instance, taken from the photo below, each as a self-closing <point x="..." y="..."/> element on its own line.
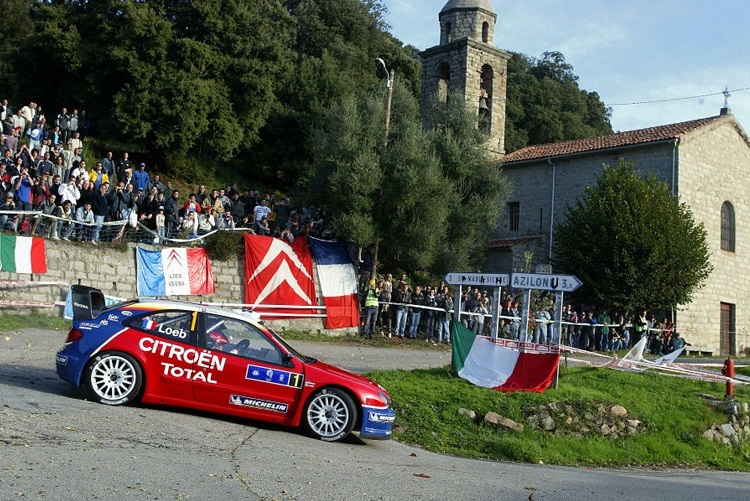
<point x="525" y="315"/>
<point x="495" y="312"/>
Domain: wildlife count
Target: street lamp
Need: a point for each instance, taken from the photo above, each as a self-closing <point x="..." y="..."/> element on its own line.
<point x="390" y="77"/>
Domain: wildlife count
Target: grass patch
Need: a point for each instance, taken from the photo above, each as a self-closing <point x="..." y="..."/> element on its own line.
<point x="674" y="418"/>
<point x="14" y="321"/>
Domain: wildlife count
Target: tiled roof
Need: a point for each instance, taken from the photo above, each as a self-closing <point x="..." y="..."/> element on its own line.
<point x="616" y="140"/>
<point x="506" y="243"/>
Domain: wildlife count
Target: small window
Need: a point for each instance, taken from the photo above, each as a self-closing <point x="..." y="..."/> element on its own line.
<point x="514" y="216"/>
<point x="727" y="227"/>
<point x="485" y="32"/>
<point x="174" y="325"/>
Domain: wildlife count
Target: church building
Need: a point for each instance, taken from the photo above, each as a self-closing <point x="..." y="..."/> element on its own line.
<point x="705" y="162"/>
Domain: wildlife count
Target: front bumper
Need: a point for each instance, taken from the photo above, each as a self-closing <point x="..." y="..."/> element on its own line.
<point x="377" y="423"/>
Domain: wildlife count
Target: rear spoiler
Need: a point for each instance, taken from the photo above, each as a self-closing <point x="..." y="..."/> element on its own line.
<point x="88" y="302"/>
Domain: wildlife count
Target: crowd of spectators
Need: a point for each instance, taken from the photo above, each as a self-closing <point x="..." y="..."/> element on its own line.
<point x="43" y="168"/>
<point x="425" y="312"/>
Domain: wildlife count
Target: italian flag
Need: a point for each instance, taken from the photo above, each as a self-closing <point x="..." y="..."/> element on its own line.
<point x="502" y="364"/>
<point x="22" y="254"/>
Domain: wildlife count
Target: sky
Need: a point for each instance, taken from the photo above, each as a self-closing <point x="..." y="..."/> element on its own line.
<point x="681" y="54"/>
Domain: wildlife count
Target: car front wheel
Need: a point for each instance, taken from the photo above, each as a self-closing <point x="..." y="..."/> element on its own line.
<point x="114" y="378"/>
<point x="330" y="415"/>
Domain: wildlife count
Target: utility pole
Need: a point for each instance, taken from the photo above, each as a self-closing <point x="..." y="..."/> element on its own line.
<point x="390" y="76"/>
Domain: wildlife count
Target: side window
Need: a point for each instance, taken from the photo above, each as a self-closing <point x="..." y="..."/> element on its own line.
<point x="174" y="325"/>
<point x="239" y="338"/>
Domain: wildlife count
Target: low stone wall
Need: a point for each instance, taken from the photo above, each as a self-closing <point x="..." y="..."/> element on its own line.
<point x="108" y="268"/>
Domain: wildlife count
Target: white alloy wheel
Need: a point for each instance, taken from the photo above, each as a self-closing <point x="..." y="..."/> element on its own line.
<point x="330" y="415"/>
<point x="114" y="378"/>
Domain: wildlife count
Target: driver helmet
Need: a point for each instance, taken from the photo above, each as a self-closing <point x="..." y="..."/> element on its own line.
<point x="217" y="339"/>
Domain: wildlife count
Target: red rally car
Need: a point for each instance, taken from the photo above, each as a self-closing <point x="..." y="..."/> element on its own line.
<point x="212" y="359"/>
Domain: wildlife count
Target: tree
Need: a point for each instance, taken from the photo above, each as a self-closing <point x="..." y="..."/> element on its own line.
<point x="427" y="199"/>
<point x="478" y="188"/>
<point x="632" y="243"/>
<point x="393" y="196"/>
<point x="545" y="104"/>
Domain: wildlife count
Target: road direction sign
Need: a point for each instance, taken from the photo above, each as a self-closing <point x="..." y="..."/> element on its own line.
<point x="480" y="279"/>
<point x="559" y="283"/>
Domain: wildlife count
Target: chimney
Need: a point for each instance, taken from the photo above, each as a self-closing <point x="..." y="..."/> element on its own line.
<point x="725" y="111"/>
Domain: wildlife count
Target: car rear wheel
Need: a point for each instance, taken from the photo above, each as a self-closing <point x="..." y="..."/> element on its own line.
<point x="330" y="415"/>
<point x="114" y="378"/>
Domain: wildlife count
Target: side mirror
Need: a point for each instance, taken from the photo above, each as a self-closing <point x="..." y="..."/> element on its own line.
<point x="287" y="360"/>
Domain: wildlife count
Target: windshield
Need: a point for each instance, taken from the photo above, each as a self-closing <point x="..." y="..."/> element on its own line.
<point x="288" y="347"/>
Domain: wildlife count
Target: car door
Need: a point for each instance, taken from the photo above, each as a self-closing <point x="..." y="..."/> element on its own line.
<point x="168" y="344"/>
<point x="248" y="375"/>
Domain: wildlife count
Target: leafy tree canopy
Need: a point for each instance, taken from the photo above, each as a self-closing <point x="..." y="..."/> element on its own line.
<point x="428" y="198"/>
<point x="632" y="243"/>
<point x="545" y="104"/>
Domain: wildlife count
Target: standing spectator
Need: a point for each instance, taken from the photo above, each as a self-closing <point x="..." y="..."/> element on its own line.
<point x="7" y="221"/>
<point x="171" y="211"/>
<point x="100" y="208"/>
<point x="386" y="292"/>
<point x="45" y="166"/>
<point x="62" y="123"/>
<point x="190" y="225"/>
<point x="444" y="319"/>
<point x="481" y="310"/>
<point x="260" y="211"/>
<point x="371" y="309"/>
<point x="124" y="165"/>
<point x="573" y="329"/>
<point x="431" y="314"/>
<point x="108" y="166"/>
<point x="69" y="192"/>
<point x="415" y="311"/>
<point x="206" y="222"/>
<point x="201" y="194"/>
<point x="85" y="219"/>
<point x="602" y="342"/>
<point x="47" y="225"/>
<point x="141" y="178"/>
<point x="65" y="225"/>
<point x="73" y="125"/>
<point x="402" y="296"/>
<point x="98" y="176"/>
<point x="160" y="225"/>
<point x="76" y="141"/>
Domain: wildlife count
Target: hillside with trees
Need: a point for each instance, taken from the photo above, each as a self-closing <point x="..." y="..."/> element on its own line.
<point x="248" y="85"/>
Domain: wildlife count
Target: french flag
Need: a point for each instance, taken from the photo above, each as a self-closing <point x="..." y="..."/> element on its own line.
<point x="148" y="324"/>
<point x="174" y="272"/>
<point x="338" y="283"/>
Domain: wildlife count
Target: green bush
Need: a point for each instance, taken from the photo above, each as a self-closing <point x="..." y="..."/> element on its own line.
<point x="225" y="245"/>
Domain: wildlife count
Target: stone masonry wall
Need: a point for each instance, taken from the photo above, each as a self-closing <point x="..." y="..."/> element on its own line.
<point x="113" y="272"/>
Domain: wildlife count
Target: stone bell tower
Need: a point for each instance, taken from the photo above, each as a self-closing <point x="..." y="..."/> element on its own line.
<point x="466" y="61"/>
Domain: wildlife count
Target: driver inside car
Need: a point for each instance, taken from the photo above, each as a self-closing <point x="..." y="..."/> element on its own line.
<point x="216" y="340"/>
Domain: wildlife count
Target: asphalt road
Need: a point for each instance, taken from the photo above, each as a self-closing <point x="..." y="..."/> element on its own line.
<point x="54" y="444"/>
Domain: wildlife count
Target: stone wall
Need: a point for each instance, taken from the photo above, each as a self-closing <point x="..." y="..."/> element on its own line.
<point x="113" y="271"/>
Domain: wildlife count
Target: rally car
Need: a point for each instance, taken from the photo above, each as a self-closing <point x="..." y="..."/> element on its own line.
<point x="212" y="359"/>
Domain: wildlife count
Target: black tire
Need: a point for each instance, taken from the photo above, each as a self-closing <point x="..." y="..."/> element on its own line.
<point x="330" y="415"/>
<point x="114" y="378"/>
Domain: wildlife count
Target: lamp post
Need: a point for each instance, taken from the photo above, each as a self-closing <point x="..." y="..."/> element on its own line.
<point x="389" y="78"/>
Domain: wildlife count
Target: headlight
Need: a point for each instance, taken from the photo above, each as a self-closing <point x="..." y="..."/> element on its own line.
<point x="384" y="397"/>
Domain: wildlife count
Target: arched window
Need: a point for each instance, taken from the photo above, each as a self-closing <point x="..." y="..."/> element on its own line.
<point x="445" y="33"/>
<point x="727" y="227"/>
<point x="485" y="32"/>
<point x="444" y="82"/>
